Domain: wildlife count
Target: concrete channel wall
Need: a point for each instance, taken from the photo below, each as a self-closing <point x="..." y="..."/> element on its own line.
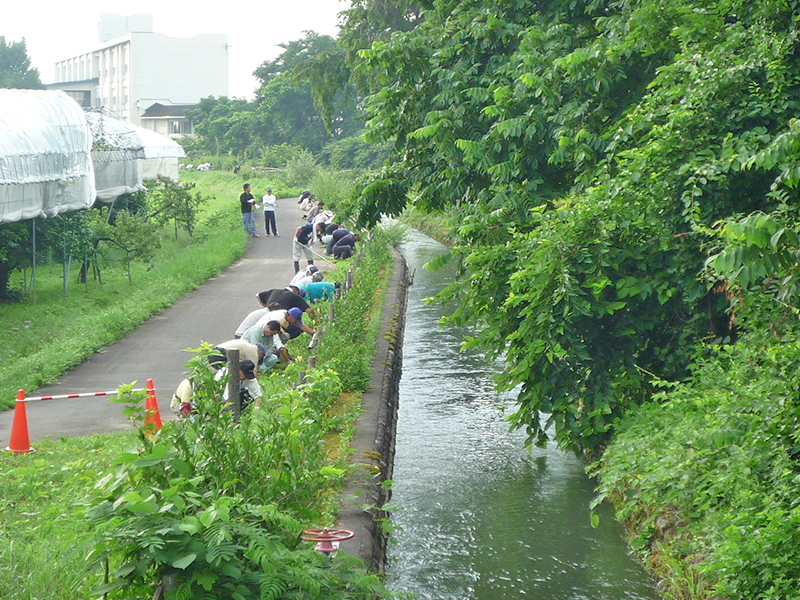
<point x="374" y="439"/>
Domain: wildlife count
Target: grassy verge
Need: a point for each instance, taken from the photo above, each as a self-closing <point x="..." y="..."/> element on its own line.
<point x="64" y="331"/>
<point x="45" y="537"/>
<point x="223" y="187"/>
<point x="707" y="479"/>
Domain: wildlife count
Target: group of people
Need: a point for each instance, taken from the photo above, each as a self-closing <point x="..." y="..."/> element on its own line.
<point x="261" y="337"/>
<point x="339" y="241"/>
<point x="320" y="226"/>
<point x="249" y="205"/>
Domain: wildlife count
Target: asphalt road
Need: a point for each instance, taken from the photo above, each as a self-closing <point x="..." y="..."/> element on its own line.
<point x="157" y="349"/>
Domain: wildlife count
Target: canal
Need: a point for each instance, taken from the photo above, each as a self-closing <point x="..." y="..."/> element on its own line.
<point x="478" y="516"/>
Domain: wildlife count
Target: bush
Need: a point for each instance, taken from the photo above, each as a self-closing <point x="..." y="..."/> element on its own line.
<point x="214" y="508"/>
<point x="301" y="169"/>
<point x="332" y="188"/>
<point x="718" y="460"/>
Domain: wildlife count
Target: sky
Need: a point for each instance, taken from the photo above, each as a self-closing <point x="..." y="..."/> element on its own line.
<point x="55" y="30"/>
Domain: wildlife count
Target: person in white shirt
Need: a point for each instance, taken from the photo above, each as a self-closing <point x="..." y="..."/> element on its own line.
<point x="302" y="274"/>
<point x="249" y="390"/>
<point x="270" y="202"/>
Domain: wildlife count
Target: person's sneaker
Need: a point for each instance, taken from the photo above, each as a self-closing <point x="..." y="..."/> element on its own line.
<point x="277" y="235"/>
<point x="256" y="235"/>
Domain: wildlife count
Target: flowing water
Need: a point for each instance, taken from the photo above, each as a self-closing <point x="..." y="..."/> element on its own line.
<point x="479" y="516"/>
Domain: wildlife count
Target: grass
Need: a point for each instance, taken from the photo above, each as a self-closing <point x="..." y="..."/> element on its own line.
<point x="223" y="187"/>
<point x="40" y="519"/>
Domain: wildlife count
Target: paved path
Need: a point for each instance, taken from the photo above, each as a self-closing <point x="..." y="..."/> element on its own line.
<point x="156" y="350"/>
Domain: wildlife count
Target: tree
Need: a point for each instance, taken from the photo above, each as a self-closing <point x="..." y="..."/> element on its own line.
<point x="15" y="72"/>
<point x="174" y="201"/>
<point x="15" y="66"/>
<point x="587" y="149"/>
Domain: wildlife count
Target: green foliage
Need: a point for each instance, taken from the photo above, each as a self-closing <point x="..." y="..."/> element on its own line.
<point x="331" y="187"/>
<point x="131" y="234"/>
<point x="280" y="155"/>
<point x="586" y="150"/>
<point x="349" y="340"/>
<point x="15" y="66"/>
<point x="353" y="153"/>
<point x="301" y="169"/>
<point x="717" y="459"/>
<point x="40" y="525"/>
<point x="173" y="201"/>
<point x="218" y="507"/>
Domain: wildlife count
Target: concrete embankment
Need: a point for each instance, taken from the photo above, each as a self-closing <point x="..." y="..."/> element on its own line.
<point x="374" y="439"/>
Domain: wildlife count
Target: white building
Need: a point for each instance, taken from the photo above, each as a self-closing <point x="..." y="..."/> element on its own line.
<point x="133" y="68"/>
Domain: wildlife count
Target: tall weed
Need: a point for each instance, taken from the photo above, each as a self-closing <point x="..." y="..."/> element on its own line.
<point x="721" y="454"/>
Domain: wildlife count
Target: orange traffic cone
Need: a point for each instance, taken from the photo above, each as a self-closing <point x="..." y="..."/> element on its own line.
<point x="152" y="416"/>
<point x="19" y="429"/>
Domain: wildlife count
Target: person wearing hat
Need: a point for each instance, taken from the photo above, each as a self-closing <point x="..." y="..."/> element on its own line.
<point x="303" y="282"/>
<point x="249" y="390"/>
<point x="296" y="327"/>
<point x="302" y="274"/>
<point x="257" y="353"/>
<point x="291" y="322"/>
<point x="182" y="403"/>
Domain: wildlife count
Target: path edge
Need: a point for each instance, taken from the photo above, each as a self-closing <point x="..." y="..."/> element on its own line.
<point x="367" y="488"/>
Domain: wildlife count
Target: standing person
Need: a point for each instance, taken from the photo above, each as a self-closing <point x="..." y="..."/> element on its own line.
<point x="301" y="243"/>
<point x="247" y="200"/>
<point x="269" y="202"/>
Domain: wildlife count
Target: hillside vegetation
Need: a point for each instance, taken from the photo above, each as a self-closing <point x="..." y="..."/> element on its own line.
<point x="624" y="181"/>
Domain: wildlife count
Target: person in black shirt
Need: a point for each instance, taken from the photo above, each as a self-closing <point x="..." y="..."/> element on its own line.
<point x="247" y="200"/>
<point x="286" y="298"/>
<point x="301" y="243"/>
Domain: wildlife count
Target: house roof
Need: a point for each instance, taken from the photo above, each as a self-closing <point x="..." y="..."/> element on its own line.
<point x="166" y="110"/>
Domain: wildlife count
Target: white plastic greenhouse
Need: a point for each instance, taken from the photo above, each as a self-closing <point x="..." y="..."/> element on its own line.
<point x="161" y="154"/>
<point x="124" y="155"/>
<point x="45" y="162"/>
<point x="117" y="154"/>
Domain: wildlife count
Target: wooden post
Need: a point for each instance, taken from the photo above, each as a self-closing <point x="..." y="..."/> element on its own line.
<point x="232" y="354"/>
<point x="312" y="362"/>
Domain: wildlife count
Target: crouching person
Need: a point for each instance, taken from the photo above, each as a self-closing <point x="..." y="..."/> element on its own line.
<point x="249" y="389"/>
<point x="268" y="335"/>
<point x="182" y="403"/>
